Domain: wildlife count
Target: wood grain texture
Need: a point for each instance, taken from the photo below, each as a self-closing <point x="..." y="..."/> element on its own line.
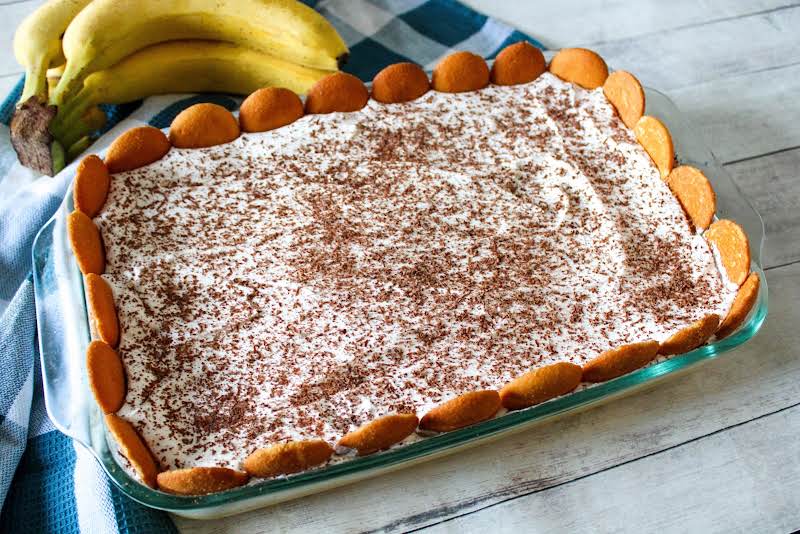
<point x="691" y="55"/>
<point x="746" y="115"/>
<point x="580" y="22"/>
<point x="741" y="467"/>
<point x="772" y="184"/>
<point x="757" y="379"/>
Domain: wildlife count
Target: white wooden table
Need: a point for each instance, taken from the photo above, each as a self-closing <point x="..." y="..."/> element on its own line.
<point x="716" y="450"/>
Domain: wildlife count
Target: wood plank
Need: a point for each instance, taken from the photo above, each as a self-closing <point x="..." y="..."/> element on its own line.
<point x="576" y="22"/>
<point x="723" y="393"/>
<point x="692" y="55"/>
<point x="10" y="17"/>
<point x="772" y="184"/>
<point x="746" y="115"/>
<point x="746" y="479"/>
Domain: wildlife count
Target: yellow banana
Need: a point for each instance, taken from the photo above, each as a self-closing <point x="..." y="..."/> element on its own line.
<point x="56" y="71"/>
<point x="109" y="30"/>
<point x="53" y="75"/>
<point x="180" y="67"/>
<point x="37" y="42"/>
<point x="77" y="148"/>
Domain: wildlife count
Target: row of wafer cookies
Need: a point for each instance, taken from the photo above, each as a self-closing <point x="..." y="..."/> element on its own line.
<point x="207" y="125"/>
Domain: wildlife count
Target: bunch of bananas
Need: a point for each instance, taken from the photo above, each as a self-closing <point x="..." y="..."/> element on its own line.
<point x="81" y="53"/>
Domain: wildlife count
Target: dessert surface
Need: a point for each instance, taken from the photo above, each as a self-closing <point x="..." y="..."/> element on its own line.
<point x="298" y="283"/>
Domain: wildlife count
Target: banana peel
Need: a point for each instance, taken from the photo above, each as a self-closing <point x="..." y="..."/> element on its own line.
<point x="287" y="30"/>
<point x="77" y="148"/>
<point x="30" y="136"/>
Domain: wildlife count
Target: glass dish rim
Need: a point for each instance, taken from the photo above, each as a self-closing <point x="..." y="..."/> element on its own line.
<point x="441" y="443"/>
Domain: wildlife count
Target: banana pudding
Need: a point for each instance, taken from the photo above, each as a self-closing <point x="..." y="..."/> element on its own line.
<point x="380" y="269"/>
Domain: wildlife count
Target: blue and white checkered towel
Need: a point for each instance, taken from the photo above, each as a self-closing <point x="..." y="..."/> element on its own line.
<point x="48" y="484"/>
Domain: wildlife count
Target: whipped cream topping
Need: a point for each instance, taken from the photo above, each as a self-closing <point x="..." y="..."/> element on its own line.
<point x="297" y="283"/>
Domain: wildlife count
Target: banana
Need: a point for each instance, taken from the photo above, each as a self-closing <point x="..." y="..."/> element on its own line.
<point x="180" y="67"/>
<point x="37" y="42"/>
<point x="77" y="148"/>
<point x="53" y="75"/>
<point x="108" y="30"/>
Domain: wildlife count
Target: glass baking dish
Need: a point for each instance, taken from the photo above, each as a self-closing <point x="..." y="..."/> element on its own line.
<point x="64" y="334"/>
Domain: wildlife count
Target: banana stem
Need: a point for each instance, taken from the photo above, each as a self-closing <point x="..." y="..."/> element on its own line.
<point x="36" y="80"/>
<point x="76" y="148"/>
<point x="67" y="84"/>
<point x="57" y="156"/>
<point x="75" y="133"/>
<point x="71" y="112"/>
